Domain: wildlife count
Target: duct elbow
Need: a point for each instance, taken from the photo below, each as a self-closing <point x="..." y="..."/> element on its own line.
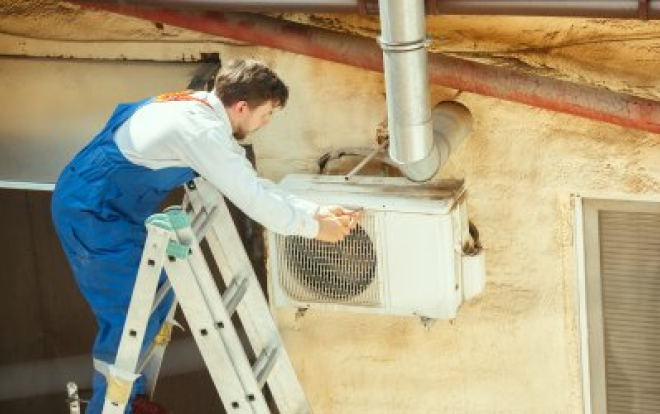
<point x="452" y="123"/>
<point x="424" y="169"/>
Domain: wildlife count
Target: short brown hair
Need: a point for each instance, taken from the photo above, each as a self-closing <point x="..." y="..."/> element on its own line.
<point x="251" y="81"/>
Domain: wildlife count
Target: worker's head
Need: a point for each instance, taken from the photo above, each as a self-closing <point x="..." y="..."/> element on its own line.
<point x="250" y="91"/>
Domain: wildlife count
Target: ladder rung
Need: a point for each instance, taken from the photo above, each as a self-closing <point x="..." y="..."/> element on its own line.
<point x="264" y="364"/>
<point x="202" y="221"/>
<point x="234" y="294"/>
<point x="160" y="295"/>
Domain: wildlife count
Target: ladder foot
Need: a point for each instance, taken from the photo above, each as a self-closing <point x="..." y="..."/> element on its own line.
<point x="143" y="405"/>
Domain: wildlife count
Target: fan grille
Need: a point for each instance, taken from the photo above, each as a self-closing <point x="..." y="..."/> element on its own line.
<point x="344" y="272"/>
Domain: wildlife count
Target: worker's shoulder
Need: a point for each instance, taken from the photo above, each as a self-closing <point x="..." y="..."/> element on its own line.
<point x="187" y="115"/>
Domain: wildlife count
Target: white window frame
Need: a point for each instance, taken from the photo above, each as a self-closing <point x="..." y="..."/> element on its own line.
<point x="589" y="292"/>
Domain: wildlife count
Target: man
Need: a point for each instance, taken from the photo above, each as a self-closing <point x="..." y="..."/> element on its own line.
<point x="104" y="195"/>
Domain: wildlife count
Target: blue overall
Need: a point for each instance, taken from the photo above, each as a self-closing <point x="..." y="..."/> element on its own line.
<point x="99" y="206"/>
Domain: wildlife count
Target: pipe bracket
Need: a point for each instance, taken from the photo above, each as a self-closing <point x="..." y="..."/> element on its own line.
<point x="368" y="6"/>
<point x="643" y="10"/>
<point x="398" y="47"/>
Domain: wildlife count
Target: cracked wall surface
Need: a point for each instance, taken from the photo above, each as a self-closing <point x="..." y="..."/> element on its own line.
<point x="515" y="349"/>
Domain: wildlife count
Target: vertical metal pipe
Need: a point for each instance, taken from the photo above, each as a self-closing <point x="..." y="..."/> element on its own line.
<point x="403" y="41"/>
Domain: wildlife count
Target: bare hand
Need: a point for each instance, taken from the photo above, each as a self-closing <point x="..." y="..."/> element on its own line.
<point x="332" y="229"/>
<point x="336" y="222"/>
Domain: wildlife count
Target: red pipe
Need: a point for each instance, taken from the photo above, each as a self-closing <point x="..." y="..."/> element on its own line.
<point x="594" y="103"/>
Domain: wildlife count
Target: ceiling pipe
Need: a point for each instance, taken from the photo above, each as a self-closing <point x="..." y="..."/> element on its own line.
<point x="556" y="95"/>
<point x="612" y="9"/>
<point x="301" y="6"/>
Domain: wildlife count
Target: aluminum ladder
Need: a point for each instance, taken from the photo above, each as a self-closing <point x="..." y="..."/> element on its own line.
<point x="173" y="244"/>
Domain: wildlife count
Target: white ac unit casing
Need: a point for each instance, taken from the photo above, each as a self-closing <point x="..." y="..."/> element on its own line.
<point x="405" y="258"/>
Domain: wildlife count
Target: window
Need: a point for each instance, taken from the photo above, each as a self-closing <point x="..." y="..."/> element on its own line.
<point x="618" y="245"/>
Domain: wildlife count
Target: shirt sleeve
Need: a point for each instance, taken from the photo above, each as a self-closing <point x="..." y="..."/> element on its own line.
<point x="216" y="156"/>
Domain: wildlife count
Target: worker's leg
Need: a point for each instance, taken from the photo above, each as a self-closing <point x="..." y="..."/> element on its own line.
<point x="111" y="318"/>
<point x="107" y="344"/>
<point x="106" y="279"/>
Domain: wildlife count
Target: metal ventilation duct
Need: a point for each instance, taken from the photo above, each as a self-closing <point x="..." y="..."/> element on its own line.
<point x="403" y="40"/>
<point x="415" y="136"/>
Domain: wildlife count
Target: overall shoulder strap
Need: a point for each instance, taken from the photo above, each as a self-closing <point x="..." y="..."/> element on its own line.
<point x="180" y="96"/>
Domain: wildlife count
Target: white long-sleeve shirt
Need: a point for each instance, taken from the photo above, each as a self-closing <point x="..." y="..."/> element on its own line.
<point x="191" y="134"/>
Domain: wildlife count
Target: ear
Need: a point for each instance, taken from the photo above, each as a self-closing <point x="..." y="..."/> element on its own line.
<point x="241" y="106"/>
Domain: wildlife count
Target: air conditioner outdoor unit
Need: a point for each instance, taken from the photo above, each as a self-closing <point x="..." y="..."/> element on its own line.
<point x="405" y="258"/>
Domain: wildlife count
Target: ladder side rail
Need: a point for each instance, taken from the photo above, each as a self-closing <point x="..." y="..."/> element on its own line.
<point x="123" y="372"/>
<point x="253" y="311"/>
<point x="222" y="320"/>
<point x="207" y="337"/>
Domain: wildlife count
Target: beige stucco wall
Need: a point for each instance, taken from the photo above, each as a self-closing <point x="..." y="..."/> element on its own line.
<point x="516" y="348"/>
